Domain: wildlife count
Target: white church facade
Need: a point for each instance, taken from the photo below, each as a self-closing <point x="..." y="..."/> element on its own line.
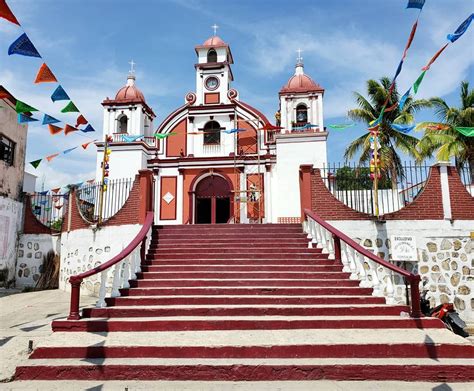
<point x="217" y="159"/>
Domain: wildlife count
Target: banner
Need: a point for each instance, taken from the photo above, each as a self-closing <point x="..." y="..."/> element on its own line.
<point x="466" y="131"/>
<point x="47" y="119"/>
<point x="23" y="46"/>
<point x="416" y="4"/>
<point x="403" y="128"/>
<point x="45" y="75"/>
<point x="461" y="29"/>
<point x="59" y="94"/>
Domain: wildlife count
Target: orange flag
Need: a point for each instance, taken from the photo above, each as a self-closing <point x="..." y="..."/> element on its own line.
<point x="58" y="207"/>
<point x="81" y="120"/>
<point x="56" y="190"/>
<point x="69" y="129"/>
<point x="53" y="129"/>
<point x="45" y="75"/>
<point x="51" y="157"/>
<point x="85" y="145"/>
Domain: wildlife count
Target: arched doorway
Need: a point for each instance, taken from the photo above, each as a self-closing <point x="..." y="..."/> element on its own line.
<point x="212" y="197"/>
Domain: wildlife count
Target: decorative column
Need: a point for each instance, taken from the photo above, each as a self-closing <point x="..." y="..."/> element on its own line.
<point x="443" y="176"/>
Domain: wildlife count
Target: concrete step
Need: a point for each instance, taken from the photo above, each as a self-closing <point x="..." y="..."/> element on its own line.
<point x="251" y="252"/>
<point x="225" y="275"/>
<point x="319" y="260"/>
<point x="184" y="236"/>
<point x="182" y="323"/>
<point x="243" y="268"/>
<point x="232" y="240"/>
<point x="245" y="369"/>
<point x="247" y="291"/>
<point x="278" y="255"/>
<point x="228" y="310"/>
<point x="241" y="300"/>
<point x="240" y="282"/>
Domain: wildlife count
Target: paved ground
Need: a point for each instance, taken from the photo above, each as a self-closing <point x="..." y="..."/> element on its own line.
<point x="25" y="317"/>
<point x="28" y="316"/>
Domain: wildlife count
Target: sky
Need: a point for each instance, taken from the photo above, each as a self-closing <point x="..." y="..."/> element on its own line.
<point x="88" y="45"/>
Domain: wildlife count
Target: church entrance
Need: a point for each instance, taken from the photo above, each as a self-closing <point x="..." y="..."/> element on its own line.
<point x="213" y="196"/>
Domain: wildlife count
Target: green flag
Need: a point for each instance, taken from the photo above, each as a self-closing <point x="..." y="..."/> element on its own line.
<point x="161" y="136"/>
<point x="418" y="81"/>
<point x="36" y="163"/>
<point x="341" y="126"/>
<point x="70" y="108"/>
<point x="466" y="131"/>
<point x="22" y="107"/>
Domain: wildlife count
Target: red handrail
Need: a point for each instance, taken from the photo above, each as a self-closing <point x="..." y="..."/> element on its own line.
<point x="413" y="279"/>
<point x="77" y="279"/>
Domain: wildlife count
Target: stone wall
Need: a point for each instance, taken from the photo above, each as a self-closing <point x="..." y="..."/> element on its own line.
<point x="445" y="256"/>
<point x="10" y="224"/>
<point x="31" y="251"/>
<point x="84" y="249"/>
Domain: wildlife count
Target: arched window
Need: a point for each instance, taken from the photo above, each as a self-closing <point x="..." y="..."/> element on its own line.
<point x="212" y="133"/>
<point x="301" y="115"/>
<point x="123" y="124"/>
<point x="211" y="55"/>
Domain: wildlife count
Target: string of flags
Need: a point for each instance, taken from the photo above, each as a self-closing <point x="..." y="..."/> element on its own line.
<point x="23" y="46"/>
<point x="49" y="158"/>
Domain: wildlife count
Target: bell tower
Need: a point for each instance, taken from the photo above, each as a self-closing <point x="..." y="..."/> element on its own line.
<point x="213" y="71"/>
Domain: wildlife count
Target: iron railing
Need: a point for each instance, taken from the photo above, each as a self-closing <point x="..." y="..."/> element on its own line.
<point x="89" y="199"/>
<point x="49" y="209"/>
<point x="467" y="178"/>
<point x="351" y="184"/>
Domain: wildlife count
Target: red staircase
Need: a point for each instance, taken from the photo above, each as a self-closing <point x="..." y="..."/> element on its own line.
<point x="246" y="302"/>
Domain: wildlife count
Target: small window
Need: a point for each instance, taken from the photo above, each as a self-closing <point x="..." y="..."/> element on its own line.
<point x="7" y="150"/>
<point x="123" y="124"/>
<point x="211" y="56"/>
<point x="212" y="133"/>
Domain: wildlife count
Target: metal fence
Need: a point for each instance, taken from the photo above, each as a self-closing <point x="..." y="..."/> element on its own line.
<point x="350" y="183"/>
<point x="89" y="198"/>
<point x="467" y="178"/>
<point x="49" y="209"/>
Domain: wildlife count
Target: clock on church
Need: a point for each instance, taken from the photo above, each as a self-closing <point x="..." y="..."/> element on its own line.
<point x="212" y="83"/>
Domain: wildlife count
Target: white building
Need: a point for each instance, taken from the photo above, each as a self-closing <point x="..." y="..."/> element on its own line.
<point x="217" y="159"/>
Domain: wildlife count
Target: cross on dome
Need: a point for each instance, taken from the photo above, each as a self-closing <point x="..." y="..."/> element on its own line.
<point x="215" y="27"/>
<point x="132" y="70"/>
<point x="299" y="59"/>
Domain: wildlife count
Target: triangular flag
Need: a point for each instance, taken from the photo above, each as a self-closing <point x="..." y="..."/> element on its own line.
<point x="47" y="119"/>
<point x="87" y="129"/>
<point x="56" y="190"/>
<point x="80" y="120"/>
<point x="23" y="119"/>
<point x="70" y="108"/>
<point x="24" y="47"/>
<point x="461" y="29"/>
<point x="45" y="75"/>
<point x="43" y="193"/>
<point x="58" y="207"/>
<point x="466" y="131"/>
<point x="68" y="129"/>
<point x="403" y="99"/>
<point x="85" y="145"/>
<point x="36" y="163"/>
<point x="131" y="139"/>
<point x="53" y="129"/>
<point x="418" y="81"/>
<point x="403" y="128"/>
<point x="69" y="150"/>
<point x="22" y="107"/>
<point x="433" y="59"/>
<point x="6" y="13"/>
<point x="161" y="136"/>
<point x="59" y="94"/>
<point x="51" y="157"/>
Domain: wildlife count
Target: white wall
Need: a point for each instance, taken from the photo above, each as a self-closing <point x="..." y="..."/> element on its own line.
<point x="11" y="213"/>
<point x="292" y="151"/>
<point x="445" y="255"/>
<point x="84" y="249"/>
<point x="123" y="162"/>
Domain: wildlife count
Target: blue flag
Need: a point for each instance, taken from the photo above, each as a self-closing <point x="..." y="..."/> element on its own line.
<point x="131" y="139"/>
<point x="69" y="150"/>
<point x="47" y="119"/>
<point x="461" y="29"/>
<point x="24" y="47"/>
<point x="416" y="4"/>
<point x="403" y="99"/>
<point x="43" y="192"/>
<point x="87" y="129"/>
<point x="230" y="131"/>
<point x="23" y="119"/>
<point x="403" y="128"/>
<point x="59" y="94"/>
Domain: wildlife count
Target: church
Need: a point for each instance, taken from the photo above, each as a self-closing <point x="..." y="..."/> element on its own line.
<point x="218" y="159"/>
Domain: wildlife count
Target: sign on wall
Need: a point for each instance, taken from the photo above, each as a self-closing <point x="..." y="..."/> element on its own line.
<point x="404" y="248"/>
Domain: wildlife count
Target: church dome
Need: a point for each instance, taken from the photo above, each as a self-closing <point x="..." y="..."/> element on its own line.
<point x="214" y="41"/>
<point x="300" y="82"/>
<point x="130" y="91"/>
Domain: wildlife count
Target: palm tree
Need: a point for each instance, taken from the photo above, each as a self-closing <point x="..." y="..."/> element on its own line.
<point x="391" y="141"/>
<point x="448" y="143"/>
